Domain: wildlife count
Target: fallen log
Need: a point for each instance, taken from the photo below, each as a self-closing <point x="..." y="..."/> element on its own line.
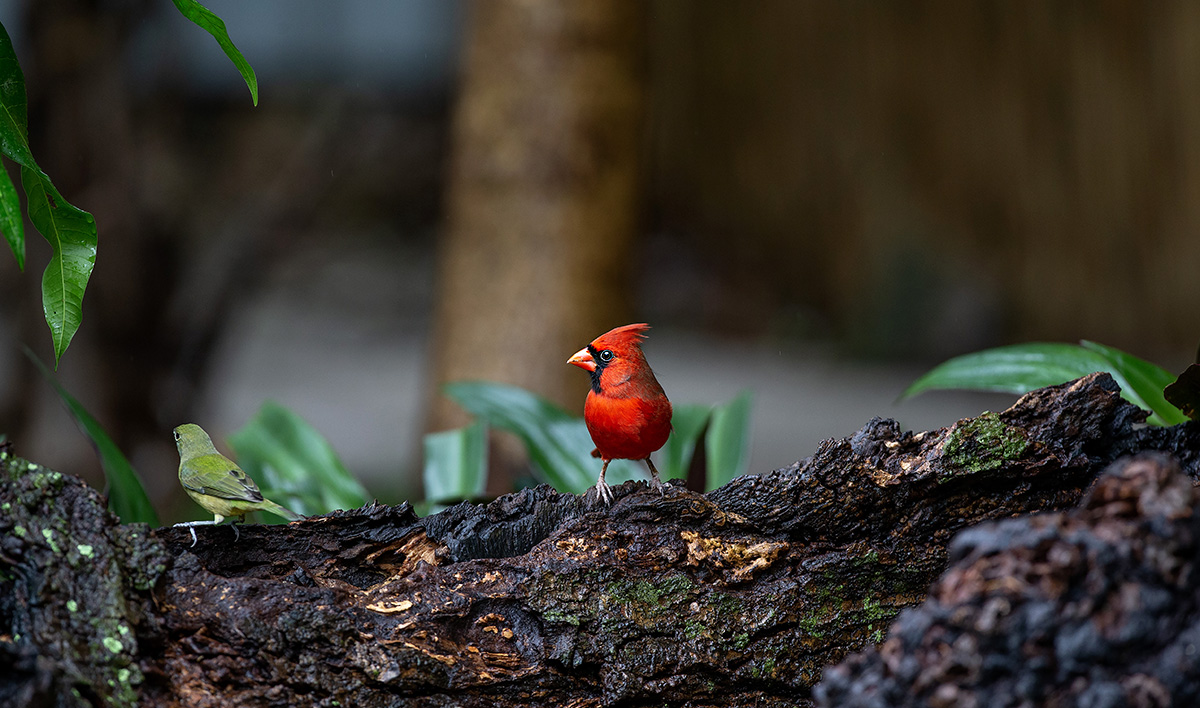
<point x="1096" y="606"/>
<point x="735" y="597"/>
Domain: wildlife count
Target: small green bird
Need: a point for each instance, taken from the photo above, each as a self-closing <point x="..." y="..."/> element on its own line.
<point x="217" y="483"/>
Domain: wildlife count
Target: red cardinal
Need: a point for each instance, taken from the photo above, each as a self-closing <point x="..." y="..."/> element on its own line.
<point x="626" y="411"/>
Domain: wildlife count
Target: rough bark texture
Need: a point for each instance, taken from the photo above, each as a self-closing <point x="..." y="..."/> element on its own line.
<point x="1094" y="607"/>
<point x="736" y="597"/>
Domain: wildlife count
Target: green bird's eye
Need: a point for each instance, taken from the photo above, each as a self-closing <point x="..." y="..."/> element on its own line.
<point x="176" y="434"/>
<point x="606" y="356"/>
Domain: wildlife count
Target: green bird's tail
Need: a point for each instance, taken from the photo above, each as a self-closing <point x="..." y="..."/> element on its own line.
<point x="268" y="505"/>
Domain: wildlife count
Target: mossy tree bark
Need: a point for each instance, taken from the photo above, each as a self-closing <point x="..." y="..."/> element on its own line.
<point x="736" y="597"/>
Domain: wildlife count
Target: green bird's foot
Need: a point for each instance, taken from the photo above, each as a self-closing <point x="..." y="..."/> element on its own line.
<point x="191" y="527"/>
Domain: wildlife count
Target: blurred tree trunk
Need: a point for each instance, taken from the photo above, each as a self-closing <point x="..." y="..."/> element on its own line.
<point x="543" y="194"/>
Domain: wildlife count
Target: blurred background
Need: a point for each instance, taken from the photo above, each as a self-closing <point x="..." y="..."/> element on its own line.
<point x="811" y="201"/>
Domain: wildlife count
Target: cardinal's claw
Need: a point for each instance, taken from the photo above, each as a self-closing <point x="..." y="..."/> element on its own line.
<point x="604" y="492"/>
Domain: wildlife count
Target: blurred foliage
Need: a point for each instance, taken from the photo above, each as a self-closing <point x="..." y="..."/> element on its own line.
<point x="1021" y="368"/>
<point x="560" y="445"/>
<point x="727" y="441"/>
<point x="456" y="465"/>
<point x="126" y="494"/>
<point x="294" y="464"/>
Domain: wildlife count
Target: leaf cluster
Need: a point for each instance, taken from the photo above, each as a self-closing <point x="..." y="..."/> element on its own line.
<point x="559" y="445"/>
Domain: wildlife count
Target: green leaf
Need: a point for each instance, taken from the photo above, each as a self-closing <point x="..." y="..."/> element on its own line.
<point x="558" y="443"/>
<point x="727" y="442"/>
<point x="11" y="222"/>
<point x="13" y="141"/>
<point x="295" y="462"/>
<point x="14" y="129"/>
<point x="71" y="233"/>
<point x="687" y="422"/>
<point x="206" y="20"/>
<point x="1021" y="368"/>
<point x="1141" y="382"/>
<point x="456" y="464"/>
<point x="126" y="495"/>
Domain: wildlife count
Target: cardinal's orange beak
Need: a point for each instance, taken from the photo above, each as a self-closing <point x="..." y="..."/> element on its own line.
<point x="583" y="360"/>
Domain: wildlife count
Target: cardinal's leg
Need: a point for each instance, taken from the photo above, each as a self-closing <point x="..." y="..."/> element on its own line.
<point x="602" y="488"/>
<point x="655" y="482"/>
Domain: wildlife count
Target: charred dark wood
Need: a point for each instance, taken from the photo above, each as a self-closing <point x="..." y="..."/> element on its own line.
<point x="736" y="597"/>
<point x="1097" y="606"/>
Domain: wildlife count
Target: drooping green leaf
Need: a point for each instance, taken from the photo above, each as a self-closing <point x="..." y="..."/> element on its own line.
<point x="11" y="222"/>
<point x="1141" y="382"/>
<point x="456" y="464"/>
<point x="1021" y="368"/>
<point x="687" y="421"/>
<point x="126" y="494"/>
<point x="71" y="233"/>
<point x="296" y="466"/>
<point x="208" y="21"/>
<point x="1184" y="392"/>
<point x="727" y="442"/>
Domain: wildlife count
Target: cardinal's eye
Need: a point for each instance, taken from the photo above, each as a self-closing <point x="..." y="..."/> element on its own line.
<point x="606" y="356"/>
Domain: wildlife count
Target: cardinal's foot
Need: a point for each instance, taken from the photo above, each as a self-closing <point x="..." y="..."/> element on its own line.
<point x="604" y="492"/>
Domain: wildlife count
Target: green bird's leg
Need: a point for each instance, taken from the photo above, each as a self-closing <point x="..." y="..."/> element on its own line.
<point x="191" y="526"/>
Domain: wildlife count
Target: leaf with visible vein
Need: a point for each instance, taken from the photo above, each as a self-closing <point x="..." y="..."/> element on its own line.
<point x="208" y="21"/>
<point x="71" y="233"/>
